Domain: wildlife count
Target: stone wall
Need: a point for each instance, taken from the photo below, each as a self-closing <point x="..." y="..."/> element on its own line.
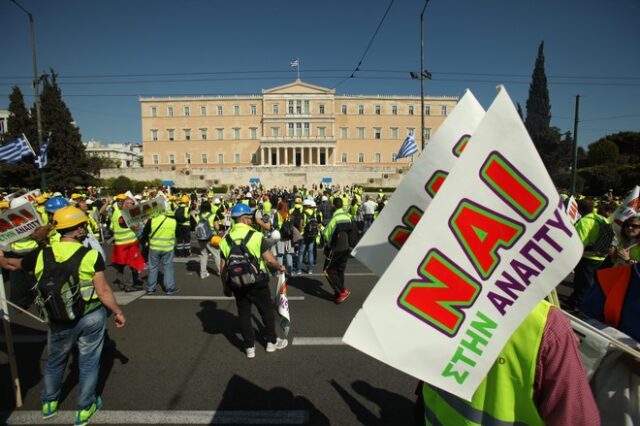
<point x="269" y="176"/>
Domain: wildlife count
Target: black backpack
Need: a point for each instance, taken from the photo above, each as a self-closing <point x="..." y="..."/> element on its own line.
<point x="345" y="237"/>
<point x="296" y="218"/>
<point x="603" y="241"/>
<point x="59" y="287"/>
<point x="203" y="229"/>
<point x="181" y="214"/>
<point x="311" y="228"/>
<point x="286" y="229"/>
<point x="243" y="268"/>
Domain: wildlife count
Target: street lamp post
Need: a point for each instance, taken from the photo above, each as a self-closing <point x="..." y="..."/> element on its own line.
<point x="36" y="81"/>
<point x="423" y="74"/>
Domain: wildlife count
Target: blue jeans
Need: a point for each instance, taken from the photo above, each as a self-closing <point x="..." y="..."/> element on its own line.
<point x="156" y="258"/>
<point x="307" y="245"/>
<point x="88" y="334"/>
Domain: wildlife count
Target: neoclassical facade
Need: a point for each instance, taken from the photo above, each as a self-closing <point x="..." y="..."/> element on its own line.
<point x="293" y="125"/>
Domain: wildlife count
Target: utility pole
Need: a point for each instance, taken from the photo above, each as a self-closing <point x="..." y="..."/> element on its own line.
<point x="36" y="85"/>
<point x="426" y="2"/>
<point x="574" y="163"/>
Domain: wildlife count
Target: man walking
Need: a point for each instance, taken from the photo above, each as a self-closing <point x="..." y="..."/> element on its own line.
<point x="245" y="258"/>
<point x="87" y="329"/>
<point x="161" y="233"/>
<point x="336" y="237"/>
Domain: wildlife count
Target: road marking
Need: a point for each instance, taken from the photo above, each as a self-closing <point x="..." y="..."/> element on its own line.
<point x="270" y="417"/>
<point x="165" y="297"/>
<point x="317" y="341"/>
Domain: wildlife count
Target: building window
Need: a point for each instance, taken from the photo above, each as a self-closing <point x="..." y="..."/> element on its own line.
<point x="306" y="131"/>
<point x="170" y="134"/>
<point x="187" y="158"/>
<point x="298" y="107"/>
<point x="343" y="132"/>
<point x="254" y="110"/>
<point x="394" y="109"/>
<point x="219" y="134"/>
<point x="343" y="109"/>
<point x="377" y="133"/>
<point x="322" y="132"/>
<point x="298" y="129"/>
<point x="290" y="128"/>
<point x="237" y="158"/>
<point x="275" y="109"/>
<point x="275" y="132"/>
<point x="321" y="109"/>
<point x="203" y="134"/>
<point x="394" y="133"/>
<point x="236" y="110"/>
<point x="187" y="111"/>
<point x="236" y="133"/>
<point x="444" y="110"/>
<point x="393" y="157"/>
<point x="427" y="110"/>
<point x="187" y="134"/>
<point x="427" y="134"/>
<point x="155" y="159"/>
<point x="378" y="158"/>
<point x="204" y="159"/>
<point x="360" y="132"/>
<point x="291" y="106"/>
<point x="172" y="159"/>
<point x="360" y="109"/>
<point x="411" y="130"/>
<point x="169" y="111"/>
<point x="254" y="133"/>
<point x="307" y="109"/>
<point x="343" y="157"/>
<point x="220" y="111"/>
<point x="203" y="111"/>
<point x="361" y="157"/>
<point x="378" y="110"/>
<point x="410" y="109"/>
<point x="154" y="134"/>
<point x="154" y="111"/>
<point x="221" y="158"/>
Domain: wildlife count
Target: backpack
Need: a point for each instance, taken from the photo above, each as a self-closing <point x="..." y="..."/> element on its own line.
<point x="603" y="241"/>
<point x="243" y="268"/>
<point x="311" y="228"/>
<point x="203" y="228"/>
<point x="286" y="229"/>
<point x="181" y="216"/>
<point x="59" y="293"/>
<point x="345" y="237"/>
<point x="296" y="218"/>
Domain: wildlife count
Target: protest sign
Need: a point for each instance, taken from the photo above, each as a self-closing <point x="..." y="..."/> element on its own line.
<point x="29" y="196"/>
<point x="139" y="213"/>
<point x="380" y="244"/>
<point x="282" y="306"/>
<point x="628" y="209"/>
<point x="492" y="244"/>
<point x="572" y="210"/>
<point x="18" y="223"/>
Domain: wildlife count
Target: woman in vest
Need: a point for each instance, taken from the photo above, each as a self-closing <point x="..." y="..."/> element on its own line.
<point x="284" y="247"/>
<point x="125" y="251"/>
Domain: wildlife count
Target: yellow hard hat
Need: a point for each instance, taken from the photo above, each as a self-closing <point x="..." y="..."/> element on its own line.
<point x="121" y="197"/>
<point x="41" y="199"/>
<point x="68" y="217"/>
<point x="215" y="240"/>
<point x="185" y="199"/>
<point x="4" y="204"/>
<point x="76" y="196"/>
<point x="172" y="198"/>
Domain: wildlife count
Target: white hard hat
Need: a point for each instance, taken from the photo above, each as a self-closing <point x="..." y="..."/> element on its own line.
<point x="57" y="194"/>
<point x="275" y="235"/>
<point x="306" y="202"/>
<point x="312" y="203"/>
<point x="17" y="202"/>
<point x="324" y="198"/>
<point x="248" y="195"/>
<point x="216" y="201"/>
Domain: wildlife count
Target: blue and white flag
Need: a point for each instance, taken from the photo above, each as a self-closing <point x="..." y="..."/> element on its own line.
<point x="14" y="151"/>
<point x="408" y="148"/>
<point x="41" y="160"/>
<point x="295" y="62"/>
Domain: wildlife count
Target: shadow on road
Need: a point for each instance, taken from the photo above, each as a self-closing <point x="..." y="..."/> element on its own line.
<point x="243" y="395"/>
<point x="312" y="286"/>
<point x="219" y="321"/>
<point x="394" y="409"/>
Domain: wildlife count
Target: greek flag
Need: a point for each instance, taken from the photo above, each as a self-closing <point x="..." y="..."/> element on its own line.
<point x="41" y="160"/>
<point x="295" y="62"/>
<point x="14" y="151"/>
<point x="408" y="148"/>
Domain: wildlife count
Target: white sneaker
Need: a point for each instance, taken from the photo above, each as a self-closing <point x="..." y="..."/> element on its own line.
<point x="251" y="352"/>
<point x="204" y="275"/>
<point x="279" y="344"/>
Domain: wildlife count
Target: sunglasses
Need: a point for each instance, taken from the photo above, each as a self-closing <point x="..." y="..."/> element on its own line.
<point x="632" y="226"/>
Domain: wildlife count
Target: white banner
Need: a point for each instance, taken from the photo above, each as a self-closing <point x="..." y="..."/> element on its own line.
<point x="572" y="210"/>
<point x="282" y="306"/>
<point x="390" y="230"/>
<point x="4" y="308"/>
<point x="493" y="243"/>
<point x="29" y="196"/>
<point x="18" y="223"/>
<point x="139" y="213"/>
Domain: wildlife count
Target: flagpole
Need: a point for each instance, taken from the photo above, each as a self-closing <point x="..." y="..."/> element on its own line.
<point x="298" y="67"/>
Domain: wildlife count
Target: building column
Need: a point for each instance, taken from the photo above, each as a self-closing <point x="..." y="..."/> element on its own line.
<point x="264" y="156"/>
<point x="317" y="155"/>
<point x="286" y="155"/>
<point x="277" y="156"/>
<point x="269" y="156"/>
<point x="332" y="151"/>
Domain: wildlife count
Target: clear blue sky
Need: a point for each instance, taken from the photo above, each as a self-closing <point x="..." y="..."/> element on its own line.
<point x="108" y="53"/>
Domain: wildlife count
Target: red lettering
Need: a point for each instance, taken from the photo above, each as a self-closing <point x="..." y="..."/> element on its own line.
<point x="401" y="233"/>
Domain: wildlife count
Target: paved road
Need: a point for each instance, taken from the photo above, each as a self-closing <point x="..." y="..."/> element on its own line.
<point x="180" y="360"/>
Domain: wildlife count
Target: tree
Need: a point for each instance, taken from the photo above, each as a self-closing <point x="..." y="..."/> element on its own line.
<point x="604" y="152"/>
<point x="68" y="164"/>
<point x="25" y="173"/>
<point x="538" y="105"/>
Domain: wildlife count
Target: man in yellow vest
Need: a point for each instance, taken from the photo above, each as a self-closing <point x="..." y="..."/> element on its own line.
<point x="337" y="250"/>
<point x="87" y="331"/>
<point x="161" y="233"/>
<point x="125" y="251"/>
<point x="538" y="379"/>
<point x="183" y="228"/>
<point x="257" y="293"/>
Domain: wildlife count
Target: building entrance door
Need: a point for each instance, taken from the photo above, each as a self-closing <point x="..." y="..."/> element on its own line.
<point x="323" y="159"/>
<point x="274" y="158"/>
<point x="298" y="159"/>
